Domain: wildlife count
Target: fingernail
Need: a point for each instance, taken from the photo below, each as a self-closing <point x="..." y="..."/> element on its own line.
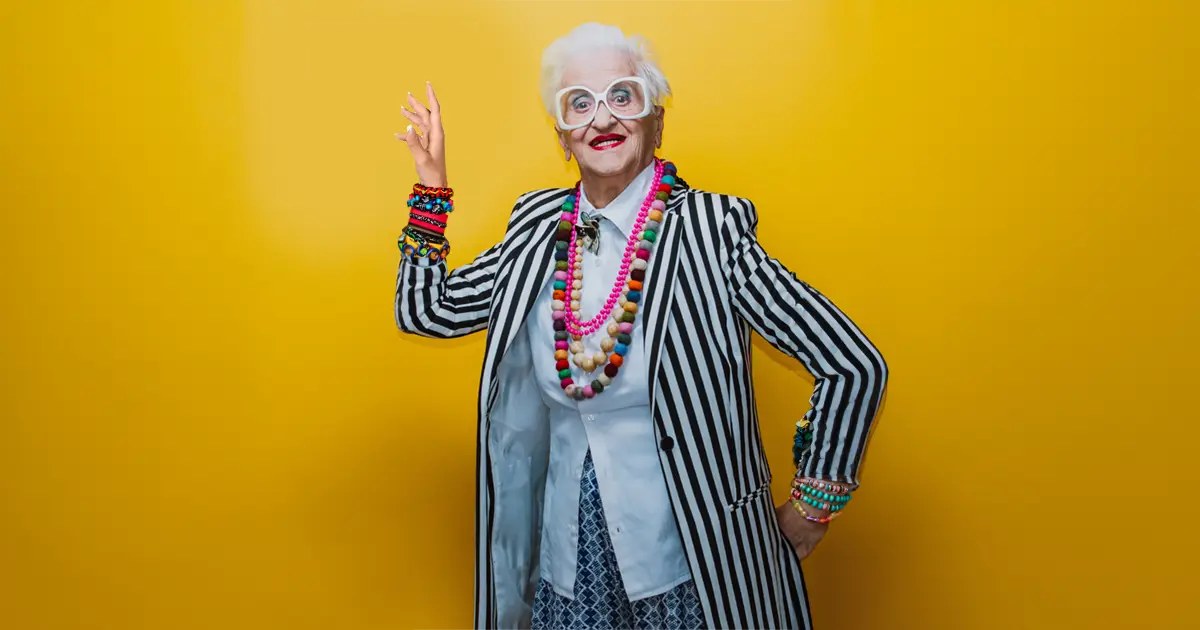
<point x="403" y="108"/>
<point x="398" y="136"/>
<point x="408" y="129"/>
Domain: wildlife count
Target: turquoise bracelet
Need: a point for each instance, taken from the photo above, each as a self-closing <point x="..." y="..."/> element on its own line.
<point x="820" y="494"/>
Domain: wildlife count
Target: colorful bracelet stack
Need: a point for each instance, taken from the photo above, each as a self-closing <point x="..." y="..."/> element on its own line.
<point x="821" y="495"/>
<point x="425" y="236"/>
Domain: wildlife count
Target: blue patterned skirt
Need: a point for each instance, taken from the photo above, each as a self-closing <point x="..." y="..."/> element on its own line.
<point x="600" y="599"/>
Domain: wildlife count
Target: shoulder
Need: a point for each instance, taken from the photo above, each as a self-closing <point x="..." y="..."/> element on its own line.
<point x="542" y="201"/>
<point x="534" y="207"/>
<point x="733" y="213"/>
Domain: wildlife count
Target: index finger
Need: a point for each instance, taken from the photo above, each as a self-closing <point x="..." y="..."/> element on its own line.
<point x="434" y="106"/>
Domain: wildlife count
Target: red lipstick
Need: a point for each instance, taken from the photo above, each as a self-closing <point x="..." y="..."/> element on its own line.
<point x="607" y="141"/>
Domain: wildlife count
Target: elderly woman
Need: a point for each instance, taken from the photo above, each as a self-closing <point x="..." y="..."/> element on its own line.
<point x="621" y="477"/>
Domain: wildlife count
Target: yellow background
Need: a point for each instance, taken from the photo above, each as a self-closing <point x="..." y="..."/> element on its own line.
<point x="209" y="420"/>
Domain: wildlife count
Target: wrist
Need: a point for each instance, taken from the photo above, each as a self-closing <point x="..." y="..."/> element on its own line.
<point x="433" y="182"/>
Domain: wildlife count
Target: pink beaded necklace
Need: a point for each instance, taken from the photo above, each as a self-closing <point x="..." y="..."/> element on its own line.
<point x="626" y="292"/>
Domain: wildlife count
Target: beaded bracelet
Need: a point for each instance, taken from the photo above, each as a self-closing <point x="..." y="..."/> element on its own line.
<point x="418" y="250"/>
<point x="822" y="495"/>
<point x="809" y="517"/>
<point x="435" y="205"/>
<point x="820" y="499"/>
<point x="819" y="484"/>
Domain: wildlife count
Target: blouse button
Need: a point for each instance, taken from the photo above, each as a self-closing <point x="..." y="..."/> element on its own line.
<point x="667" y="443"/>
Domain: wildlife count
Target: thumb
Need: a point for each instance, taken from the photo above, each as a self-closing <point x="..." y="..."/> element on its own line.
<point x="414" y="144"/>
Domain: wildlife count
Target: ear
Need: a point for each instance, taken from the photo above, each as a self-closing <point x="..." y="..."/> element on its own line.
<point x="562" y="142"/>
<point x="660" y="123"/>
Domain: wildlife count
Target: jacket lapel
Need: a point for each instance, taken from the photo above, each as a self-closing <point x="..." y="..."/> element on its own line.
<point x="523" y="274"/>
<point x="660" y="284"/>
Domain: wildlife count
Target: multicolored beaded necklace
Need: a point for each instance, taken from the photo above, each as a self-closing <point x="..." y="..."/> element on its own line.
<point x="569" y="326"/>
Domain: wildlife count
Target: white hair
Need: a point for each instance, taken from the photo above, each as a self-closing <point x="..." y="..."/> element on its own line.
<point x="591" y="37"/>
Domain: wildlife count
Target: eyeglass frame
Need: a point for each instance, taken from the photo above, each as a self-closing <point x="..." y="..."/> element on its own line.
<point x="601" y="98"/>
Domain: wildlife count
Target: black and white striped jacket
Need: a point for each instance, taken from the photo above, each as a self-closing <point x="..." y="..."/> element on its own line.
<point x="708" y="285"/>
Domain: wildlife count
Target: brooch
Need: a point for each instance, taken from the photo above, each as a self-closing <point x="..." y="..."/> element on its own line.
<point x="589" y="232"/>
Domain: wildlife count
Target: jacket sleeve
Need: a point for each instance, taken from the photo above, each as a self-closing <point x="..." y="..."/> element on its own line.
<point x="849" y="371"/>
<point x="433" y="303"/>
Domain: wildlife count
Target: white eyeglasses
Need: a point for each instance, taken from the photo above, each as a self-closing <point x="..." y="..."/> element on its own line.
<point x="627" y="98"/>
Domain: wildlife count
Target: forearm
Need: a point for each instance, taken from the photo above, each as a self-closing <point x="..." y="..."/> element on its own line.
<point x="832" y="437"/>
<point x="432" y="302"/>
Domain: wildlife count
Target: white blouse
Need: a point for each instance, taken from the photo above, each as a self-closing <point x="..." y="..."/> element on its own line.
<point x="615" y="424"/>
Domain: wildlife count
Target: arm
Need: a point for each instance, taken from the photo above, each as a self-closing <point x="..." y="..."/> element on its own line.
<point x="850" y="373"/>
<point x="433" y="303"/>
<point x="429" y="301"/>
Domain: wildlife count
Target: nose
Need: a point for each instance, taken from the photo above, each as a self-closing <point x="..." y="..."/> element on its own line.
<point x="604" y="118"/>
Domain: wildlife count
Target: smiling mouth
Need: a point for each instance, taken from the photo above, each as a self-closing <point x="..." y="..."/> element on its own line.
<point x="608" y="141"/>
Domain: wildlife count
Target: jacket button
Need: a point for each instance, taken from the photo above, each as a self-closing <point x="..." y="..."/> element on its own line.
<point x="667" y="443"/>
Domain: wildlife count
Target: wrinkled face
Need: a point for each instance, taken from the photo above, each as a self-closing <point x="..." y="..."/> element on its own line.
<point x="609" y="146"/>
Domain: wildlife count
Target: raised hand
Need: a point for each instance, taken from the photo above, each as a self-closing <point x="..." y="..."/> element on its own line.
<point x="428" y="147"/>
